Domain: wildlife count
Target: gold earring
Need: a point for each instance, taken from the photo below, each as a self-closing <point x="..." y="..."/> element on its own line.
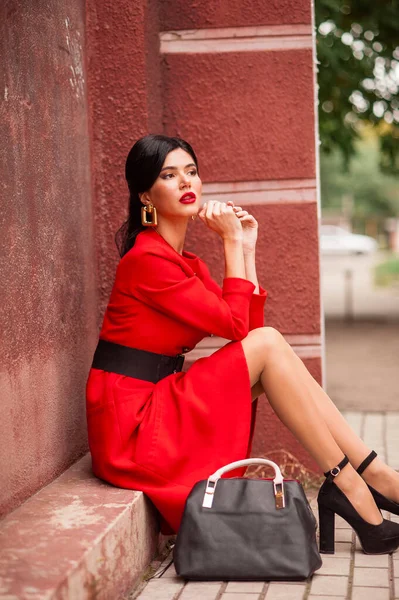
<point x="149" y="210"/>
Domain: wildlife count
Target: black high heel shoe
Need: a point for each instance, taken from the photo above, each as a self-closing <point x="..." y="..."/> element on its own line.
<point x="380" y="500"/>
<point x="374" y="539"/>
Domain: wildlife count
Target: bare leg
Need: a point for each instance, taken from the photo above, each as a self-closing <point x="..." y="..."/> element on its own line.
<point x="271" y="361"/>
<point x="378" y="474"/>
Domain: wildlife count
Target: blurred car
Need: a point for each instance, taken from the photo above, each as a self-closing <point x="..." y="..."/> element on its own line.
<point x="337" y="240"/>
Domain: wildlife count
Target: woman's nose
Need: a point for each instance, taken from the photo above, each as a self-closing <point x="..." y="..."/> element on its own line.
<point x="184" y="180"/>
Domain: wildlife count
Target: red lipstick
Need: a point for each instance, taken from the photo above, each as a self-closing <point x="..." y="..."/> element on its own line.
<point x="188" y="198"/>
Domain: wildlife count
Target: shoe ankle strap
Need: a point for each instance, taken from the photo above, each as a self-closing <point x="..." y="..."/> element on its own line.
<point x="366" y="462"/>
<point x="336" y="470"/>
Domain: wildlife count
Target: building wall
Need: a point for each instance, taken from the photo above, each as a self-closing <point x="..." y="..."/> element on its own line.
<point x="125" y="103"/>
<point x="238" y="84"/>
<point x="48" y="298"/>
<point x="82" y="80"/>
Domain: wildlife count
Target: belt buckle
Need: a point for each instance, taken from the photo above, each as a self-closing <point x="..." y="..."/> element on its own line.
<point x="179" y="361"/>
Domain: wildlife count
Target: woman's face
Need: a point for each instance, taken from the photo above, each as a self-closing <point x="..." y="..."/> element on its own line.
<point x="177" y="181"/>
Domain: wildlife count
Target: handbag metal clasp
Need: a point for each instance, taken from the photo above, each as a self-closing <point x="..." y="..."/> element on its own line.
<point x="209" y="493"/>
<point x="279" y="495"/>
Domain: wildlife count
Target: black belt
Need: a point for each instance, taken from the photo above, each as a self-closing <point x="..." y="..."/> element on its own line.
<point x="132" y="362"/>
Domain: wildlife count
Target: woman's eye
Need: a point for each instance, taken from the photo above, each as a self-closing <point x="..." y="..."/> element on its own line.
<point x="193" y="172"/>
<point x="168" y="175"/>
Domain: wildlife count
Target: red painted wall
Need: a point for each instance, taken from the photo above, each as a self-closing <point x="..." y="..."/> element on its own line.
<point x="240" y="112"/>
<point x="91" y="71"/>
<point x="250" y="117"/>
<point x="232" y="13"/>
<point x="125" y="104"/>
<point x="49" y="304"/>
<point x="287" y="263"/>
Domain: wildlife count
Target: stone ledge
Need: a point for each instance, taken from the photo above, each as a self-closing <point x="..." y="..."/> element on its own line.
<point x="77" y="539"/>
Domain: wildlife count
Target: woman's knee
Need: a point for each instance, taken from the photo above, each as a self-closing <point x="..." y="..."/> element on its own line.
<point x="267" y="339"/>
<point x="261" y="346"/>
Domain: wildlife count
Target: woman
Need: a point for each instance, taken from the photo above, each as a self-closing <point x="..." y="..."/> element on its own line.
<point x="156" y="429"/>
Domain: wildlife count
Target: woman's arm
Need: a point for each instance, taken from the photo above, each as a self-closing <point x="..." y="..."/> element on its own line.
<point x="221" y="218"/>
<point x="250" y="268"/>
<point x="238" y="230"/>
<point x="249" y="237"/>
<point x="235" y="265"/>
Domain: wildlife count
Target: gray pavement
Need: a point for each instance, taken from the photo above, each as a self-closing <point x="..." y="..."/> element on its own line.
<point x="362" y="365"/>
<point x="349" y="574"/>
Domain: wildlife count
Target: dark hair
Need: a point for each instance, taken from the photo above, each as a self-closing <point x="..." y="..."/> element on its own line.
<point x="143" y="165"/>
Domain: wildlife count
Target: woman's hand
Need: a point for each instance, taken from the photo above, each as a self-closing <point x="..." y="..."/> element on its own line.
<point x="221" y="218"/>
<point x="249" y="227"/>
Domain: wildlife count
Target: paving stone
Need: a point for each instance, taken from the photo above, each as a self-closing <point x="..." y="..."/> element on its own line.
<point x="149" y="594"/>
<point x="343" y="535"/>
<point x="342" y="550"/>
<point x="355" y="420"/>
<point x="370" y="577"/>
<point x="327" y="597"/>
<point x="373" y="430"/>
<point x="239" y="596"/>
<point x="392" y="435"/>
<point x="170" y="572"/>
<point x="329" y="585"/>
<point x="204" y="590"/>
<point x="368" y="593"/>
<point x="371" y="560"/>
<point x="333" y="565"/>
<point x="202" y="584"/>
<point x="251" y="587"/>
<point x="160" y="589"/>
<point x="285" y="591"/>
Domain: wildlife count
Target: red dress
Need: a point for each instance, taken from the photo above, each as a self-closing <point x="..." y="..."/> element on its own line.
<point x="162" y="437"/>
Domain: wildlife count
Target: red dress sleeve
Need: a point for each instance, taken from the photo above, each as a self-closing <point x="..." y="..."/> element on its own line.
<point x="256" y="309"/>
<point x="163" y="284"/>
<point x="256" y="306"/>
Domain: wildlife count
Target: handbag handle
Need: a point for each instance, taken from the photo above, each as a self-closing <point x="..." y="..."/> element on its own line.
<point x="278" y="481"/>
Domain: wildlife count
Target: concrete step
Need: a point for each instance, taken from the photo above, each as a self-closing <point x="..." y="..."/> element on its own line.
<point x="77" y="539"/>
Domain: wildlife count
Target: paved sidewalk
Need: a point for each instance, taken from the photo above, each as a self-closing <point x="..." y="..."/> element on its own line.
<point x="348" y="575"/>
<point x="362" y="365"/>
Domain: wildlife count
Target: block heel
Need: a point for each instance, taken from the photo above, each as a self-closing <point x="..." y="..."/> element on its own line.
<point x="327" y="530"/>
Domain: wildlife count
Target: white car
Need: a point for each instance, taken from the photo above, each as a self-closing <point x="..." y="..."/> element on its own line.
<point x="337" y="240"/>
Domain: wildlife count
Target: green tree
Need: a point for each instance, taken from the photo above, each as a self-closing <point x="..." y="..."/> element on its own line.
<point x="362" y="193"/>
<point x="358" y="74"/>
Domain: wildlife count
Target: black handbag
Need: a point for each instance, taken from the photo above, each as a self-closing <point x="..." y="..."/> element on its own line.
<point x="247" y="529"/>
